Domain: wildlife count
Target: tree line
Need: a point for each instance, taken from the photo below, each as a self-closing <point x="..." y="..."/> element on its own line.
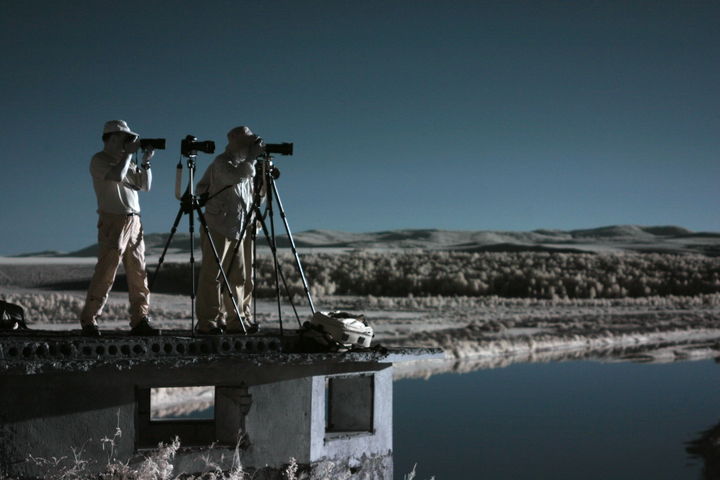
<point x="539" y="275"/>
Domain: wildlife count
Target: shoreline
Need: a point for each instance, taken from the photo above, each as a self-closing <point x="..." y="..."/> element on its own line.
<point x="474" y="332"/>
<point x="656" y="348"/>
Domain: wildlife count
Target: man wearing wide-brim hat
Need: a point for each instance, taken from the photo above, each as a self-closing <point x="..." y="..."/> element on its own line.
<point x="117" y="181"/>
<point x="228" y="182"/>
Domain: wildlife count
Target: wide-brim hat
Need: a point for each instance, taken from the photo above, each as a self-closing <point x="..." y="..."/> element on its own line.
<point x="114" y="126"/>
<point x="241" y="132"/>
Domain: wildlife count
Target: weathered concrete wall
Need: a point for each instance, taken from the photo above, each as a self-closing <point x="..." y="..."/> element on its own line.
<point x="48" y="414"/>
<point x="278" y="424"/>
<point x="353" y="445"/>
<point x="49" y="417"/>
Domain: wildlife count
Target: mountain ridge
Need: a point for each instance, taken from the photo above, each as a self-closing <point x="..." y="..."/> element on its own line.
<point x="612" y="238"/>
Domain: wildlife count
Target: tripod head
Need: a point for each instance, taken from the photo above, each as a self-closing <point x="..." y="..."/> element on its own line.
<point x="263" y="161"/>
<point x="265" y="166"/>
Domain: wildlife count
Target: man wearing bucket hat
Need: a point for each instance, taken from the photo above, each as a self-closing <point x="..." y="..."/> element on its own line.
<point x="228" y="184"/>
<point x="117" y="180"/>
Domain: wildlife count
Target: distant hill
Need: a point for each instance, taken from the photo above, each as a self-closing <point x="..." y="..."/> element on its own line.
<point x="44" y="253"/>
<point x="614" y="238"/>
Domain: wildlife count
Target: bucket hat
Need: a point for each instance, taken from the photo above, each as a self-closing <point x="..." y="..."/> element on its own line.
<point x="240" y="132"/>
<point x="113" y="126"/>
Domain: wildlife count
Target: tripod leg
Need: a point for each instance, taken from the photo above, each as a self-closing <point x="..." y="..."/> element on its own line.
<point x="292" y="244"/>
<point x="225" y="283"/>
<point x="254" y="273"/>
<point x="243" y="232"/>
<point x="276" y="263"/>
<point x="167" y="244"/>
<point x="248" y="220"/>
<point x="193" y="288"/>
<point x="237" y="247"/>
<point x="273" y="249"/>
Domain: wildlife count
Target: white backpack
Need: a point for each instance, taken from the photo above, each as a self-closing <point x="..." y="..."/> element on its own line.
<point x="344" y="328"/>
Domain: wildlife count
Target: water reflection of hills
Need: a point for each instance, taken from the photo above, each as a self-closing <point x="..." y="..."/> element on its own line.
<point x="659" y="353"/>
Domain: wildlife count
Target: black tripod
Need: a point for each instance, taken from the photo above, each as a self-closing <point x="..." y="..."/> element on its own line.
<point x="265" y="188"/>
<point x="190" y="203"/>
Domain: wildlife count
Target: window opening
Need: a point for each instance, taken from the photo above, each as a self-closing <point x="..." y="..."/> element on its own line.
<point x="182" y="403"/>
<point x="349" y="404"/>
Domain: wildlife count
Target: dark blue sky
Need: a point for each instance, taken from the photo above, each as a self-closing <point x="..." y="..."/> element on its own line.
<point x="468" y="115"/>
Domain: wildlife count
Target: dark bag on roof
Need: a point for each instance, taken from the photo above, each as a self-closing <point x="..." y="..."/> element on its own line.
<point x="12" y="317"/>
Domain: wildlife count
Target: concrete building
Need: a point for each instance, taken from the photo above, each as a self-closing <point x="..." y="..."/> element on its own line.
<point x="271" y="401"/>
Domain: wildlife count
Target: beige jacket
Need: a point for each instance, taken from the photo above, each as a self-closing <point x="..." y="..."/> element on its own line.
<point x="113" y="196"/>
<point x="226" y="209"/>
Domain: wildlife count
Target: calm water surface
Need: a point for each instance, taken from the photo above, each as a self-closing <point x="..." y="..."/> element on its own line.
<point x="565" y="420"/>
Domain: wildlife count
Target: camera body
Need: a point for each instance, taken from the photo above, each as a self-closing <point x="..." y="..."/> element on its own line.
<point x="189" y="146"/>
<point x="156" y="143"/>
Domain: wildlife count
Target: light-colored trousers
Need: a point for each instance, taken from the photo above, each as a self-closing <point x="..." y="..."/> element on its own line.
<point x="120" y="239"/>
<point x="213" y="302"/>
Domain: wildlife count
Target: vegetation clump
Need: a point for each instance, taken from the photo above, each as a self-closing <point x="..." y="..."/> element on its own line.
<point x="537" y="275"/>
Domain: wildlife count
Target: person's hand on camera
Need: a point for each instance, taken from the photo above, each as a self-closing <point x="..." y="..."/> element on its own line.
<point x="132" y="147"/>
<point x="256" y="148"/>
<point x="148" y="154"/>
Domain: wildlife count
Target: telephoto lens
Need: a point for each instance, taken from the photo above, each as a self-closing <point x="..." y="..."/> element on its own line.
<point x="156" y="143"/>
<point x="279" y="148"/>
<point x="190" y="146"/>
